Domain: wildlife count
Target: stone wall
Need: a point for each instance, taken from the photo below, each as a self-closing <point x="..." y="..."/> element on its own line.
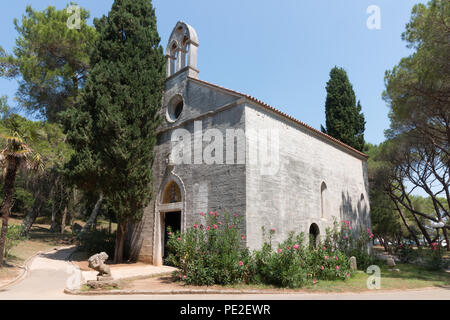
<point x="216" y="187"/>
<point x="290" y="200"/>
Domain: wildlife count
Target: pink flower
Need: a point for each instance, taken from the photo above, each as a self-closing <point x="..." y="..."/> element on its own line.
<point x="170" y="233"/>
<point x="288" y="248"/>
<point x="273" y="230"/>
<point x="220" y="223"/>
<point x="337" y="267"/>
<point x="215" y="226"/>
<point x="208" y="228"/>
<point x="241" y="263"/>
<point x="314" y="281"/>
<point x="231" y="227"/>
<point x="322" y="267"/>
<point x="195" y="226"/>
<point x="324" y="248"/>
<point x="235" y="215"/>
<point x="179" y="239"/>
<point x="184" y="277"/>
<point x="280" y="250"/>
<point x="349" y="228"/>
<point x="345" y="237"/>
<point x="336" y="258"/>
<point x="295" y="246"/>
<point x="243" y="238"/>
<point x="202" y="214"/>
<point x="326" y="257"/>
<point x="347" y="275"/>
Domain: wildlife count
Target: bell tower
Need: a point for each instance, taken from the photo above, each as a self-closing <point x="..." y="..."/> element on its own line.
<point x="181" y="51"/>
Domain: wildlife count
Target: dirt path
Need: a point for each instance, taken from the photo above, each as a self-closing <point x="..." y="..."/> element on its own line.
<point x="46" y="277"/>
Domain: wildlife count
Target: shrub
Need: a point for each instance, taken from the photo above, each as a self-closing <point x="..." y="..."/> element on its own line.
<point x="96" y="241"/>
<point x="215" y="255"/>
<point x="341" y="238"/>
<point x="284" y="267"/>
<point x="294" y="264"/>
<point x="211" y="254"/>
<point x="406" y="253"/>
<point x="14" y="235"/>
<point x="432" y="259"/>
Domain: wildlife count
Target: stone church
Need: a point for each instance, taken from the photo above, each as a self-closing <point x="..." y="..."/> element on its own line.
<point x="242" y="156"/>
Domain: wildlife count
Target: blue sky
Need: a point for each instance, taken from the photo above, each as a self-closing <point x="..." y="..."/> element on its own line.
<point x="278" y="51"/>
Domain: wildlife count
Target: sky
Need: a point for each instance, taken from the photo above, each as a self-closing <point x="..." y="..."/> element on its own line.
<point x="279" y="51"/>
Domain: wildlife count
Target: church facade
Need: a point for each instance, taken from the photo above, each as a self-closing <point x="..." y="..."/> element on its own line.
<point x="225" y="151"/>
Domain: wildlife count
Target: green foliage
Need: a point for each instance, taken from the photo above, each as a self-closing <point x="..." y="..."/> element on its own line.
<point x="406" y="253"/>
<point x="385" y="219"/>
<point x="23" y="200"/>
<point x="14" y="236"/>
<point x="50" y="60"/>
<point x="342" y="238"/>
<point x="215" y="255"/>
<point x="96" y="241"/>
<point x="344" y="120"/>
<point x="417" y="88"/>
<point x="295" y="264"/>
<point x="211" y="254"/>
<point x="113" y="129"/>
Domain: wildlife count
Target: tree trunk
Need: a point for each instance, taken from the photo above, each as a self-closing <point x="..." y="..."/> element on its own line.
<point x="8" y="193"/>
<point x="399" y="210"/>
<point x="444" y="231"/>
<point x="63" y="220"/>
<point x="93" y="215"/>
<point x="33" y="214"/>
<point x="53" y="223"/>
<point x="120" y="239"/>
<point x="110" y="223"/>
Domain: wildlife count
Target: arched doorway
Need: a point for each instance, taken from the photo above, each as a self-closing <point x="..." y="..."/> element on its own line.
<point x="314" y="234"/>
<point x="170" y="216"/>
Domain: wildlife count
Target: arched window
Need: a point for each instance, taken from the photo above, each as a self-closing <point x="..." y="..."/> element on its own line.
<point x="323" y="200"/>
<point x="182" y="50"/>
<point x="172" y="193"/>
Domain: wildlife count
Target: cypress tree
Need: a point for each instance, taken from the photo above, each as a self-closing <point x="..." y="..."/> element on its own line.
<point x="113" y="129"/>
<point x="344" y="120"/>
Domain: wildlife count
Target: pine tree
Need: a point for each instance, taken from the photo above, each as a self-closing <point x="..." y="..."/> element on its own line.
<point x="344" y="120"/>
<point x="113" y="129"/>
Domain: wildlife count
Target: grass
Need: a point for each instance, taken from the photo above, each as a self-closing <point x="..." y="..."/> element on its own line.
<point x="409" y="277"/>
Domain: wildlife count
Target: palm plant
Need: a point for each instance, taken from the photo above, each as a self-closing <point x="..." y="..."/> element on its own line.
<point x="16" y="154"/>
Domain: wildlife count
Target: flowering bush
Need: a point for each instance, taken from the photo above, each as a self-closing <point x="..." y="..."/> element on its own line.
<point x="214" y="254"/>
<point x="284" y="267"/>
<point x="341" y="238"/>
<point x="295" y="264"/>
<point x="211" y="254"/>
